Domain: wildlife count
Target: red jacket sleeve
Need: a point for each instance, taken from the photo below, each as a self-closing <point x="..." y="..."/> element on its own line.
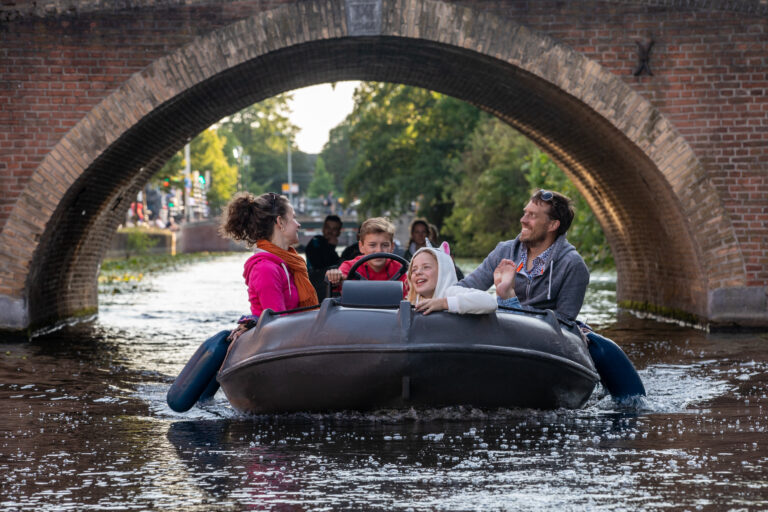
<point x="346" y="265"/>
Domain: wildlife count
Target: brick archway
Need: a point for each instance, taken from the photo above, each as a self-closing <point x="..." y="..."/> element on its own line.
<point x="672" y="239"/>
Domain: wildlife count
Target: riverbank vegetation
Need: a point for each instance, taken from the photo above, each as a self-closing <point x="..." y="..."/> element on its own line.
<point x="122" y="274"/>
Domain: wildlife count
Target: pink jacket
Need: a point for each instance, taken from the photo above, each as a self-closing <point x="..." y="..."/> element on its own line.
<point x="270" y="283"/>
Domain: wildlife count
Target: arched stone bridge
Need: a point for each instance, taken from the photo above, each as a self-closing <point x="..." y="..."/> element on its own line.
<point x="95" y="95"/>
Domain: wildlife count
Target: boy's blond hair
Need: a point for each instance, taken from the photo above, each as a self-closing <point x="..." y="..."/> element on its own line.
<point x="377" y="225"/>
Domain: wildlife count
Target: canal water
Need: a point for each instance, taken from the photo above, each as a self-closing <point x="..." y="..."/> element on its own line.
<point x="84" y="424"/>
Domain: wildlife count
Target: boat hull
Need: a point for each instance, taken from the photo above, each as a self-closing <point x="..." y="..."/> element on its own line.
<point x="341" y="358"/>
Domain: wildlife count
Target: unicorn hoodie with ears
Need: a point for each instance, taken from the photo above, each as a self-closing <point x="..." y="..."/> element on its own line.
<point x="432" y="278"/>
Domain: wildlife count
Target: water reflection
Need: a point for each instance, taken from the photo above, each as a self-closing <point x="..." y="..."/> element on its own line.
<point x="85" y="425"/>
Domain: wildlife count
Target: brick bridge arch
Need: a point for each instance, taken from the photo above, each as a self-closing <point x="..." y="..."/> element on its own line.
<point x="673" y="241"/>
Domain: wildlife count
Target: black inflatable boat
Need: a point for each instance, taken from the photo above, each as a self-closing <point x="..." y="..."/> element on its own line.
<point x="370" y="350"/>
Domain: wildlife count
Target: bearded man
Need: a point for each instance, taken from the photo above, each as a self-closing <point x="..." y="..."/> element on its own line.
<point x="549" y="272"/>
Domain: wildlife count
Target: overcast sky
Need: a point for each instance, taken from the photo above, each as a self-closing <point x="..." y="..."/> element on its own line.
<point x="317" y="109"/>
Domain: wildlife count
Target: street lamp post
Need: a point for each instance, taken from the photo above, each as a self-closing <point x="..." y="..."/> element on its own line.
<point x="290" y="170"/>
<point x="187" y="184"/>
<point x="290" y="173"/>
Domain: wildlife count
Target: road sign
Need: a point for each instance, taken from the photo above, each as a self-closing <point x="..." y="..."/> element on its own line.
<point x="293" y="188"/>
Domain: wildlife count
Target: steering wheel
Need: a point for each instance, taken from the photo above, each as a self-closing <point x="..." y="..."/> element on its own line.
<point x="354" y="275"/>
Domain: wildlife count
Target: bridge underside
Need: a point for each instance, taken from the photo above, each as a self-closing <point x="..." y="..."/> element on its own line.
<point x="659" y="244"/>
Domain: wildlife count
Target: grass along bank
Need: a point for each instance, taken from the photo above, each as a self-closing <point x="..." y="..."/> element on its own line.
<point x="123" y="274"/>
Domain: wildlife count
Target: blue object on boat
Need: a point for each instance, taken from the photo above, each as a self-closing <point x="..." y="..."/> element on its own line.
<point x="198" y="378"/>
<point x="616" y="371"/>
<point x="210" y="390"/>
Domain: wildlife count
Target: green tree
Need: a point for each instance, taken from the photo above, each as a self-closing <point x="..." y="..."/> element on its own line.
<point x="492" y="191"/>
<point x="337" y="153"/>
<point x="406" y="140"/>
<point x="207" y="154"/>
<point x="303" y="169"/>
<point x="322" y="182"/>
<point x="260" y="133"/>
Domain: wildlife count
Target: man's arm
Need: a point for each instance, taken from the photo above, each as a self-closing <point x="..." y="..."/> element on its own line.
<point x="482" y="277"/>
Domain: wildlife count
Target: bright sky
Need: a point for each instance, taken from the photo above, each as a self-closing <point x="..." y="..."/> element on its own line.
<point x="317" y="109"/>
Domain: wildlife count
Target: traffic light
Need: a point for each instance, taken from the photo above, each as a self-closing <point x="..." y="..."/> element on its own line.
<point x="201" y="179"/>
<point x="166" y="182"/>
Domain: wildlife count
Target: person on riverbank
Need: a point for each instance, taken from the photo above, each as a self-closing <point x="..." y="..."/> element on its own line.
<point x="376" y="234"/>
<point x="549" y="272"/>
<point x="419" y="231"/>
<point x="433" y="285"/>
<point x="276" y="275"/>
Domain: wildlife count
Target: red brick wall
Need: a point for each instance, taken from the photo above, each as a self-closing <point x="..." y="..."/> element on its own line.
<point x="677" y="175"/>
<point x="710" y="79"/>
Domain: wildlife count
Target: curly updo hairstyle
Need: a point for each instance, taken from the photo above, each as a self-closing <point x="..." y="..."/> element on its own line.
<point x="250" y="218"/>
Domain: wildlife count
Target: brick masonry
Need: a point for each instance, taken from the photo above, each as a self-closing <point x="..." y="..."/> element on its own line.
<point x="95" y="95"/>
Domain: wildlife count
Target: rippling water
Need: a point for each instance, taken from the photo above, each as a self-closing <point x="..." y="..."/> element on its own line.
<point x="85" y="425"/>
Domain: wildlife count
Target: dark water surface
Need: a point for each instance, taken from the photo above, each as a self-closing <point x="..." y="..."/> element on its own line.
<point x="84" y="425"/>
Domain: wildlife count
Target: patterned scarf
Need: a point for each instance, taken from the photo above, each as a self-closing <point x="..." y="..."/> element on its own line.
<point x="298" y="267"/>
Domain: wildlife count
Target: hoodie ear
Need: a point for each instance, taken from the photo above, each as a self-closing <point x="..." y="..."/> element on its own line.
<point x="445" y="248"/>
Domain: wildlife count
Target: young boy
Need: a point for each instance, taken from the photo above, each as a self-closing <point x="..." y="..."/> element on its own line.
<point x="377" y="234"/>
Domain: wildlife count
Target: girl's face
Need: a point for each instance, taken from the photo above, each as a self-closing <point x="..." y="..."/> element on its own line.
<point x="291" y="227"/>
<point x="419" y="234"/>
<point x="424" y="274"/>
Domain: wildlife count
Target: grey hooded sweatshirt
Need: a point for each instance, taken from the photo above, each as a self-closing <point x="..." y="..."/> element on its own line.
<point x="561" y="287"/>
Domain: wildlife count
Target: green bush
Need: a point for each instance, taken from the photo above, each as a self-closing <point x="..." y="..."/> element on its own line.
<point x="138" y="242"/>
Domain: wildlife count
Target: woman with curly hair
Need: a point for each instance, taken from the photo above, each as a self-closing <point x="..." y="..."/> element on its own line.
<point x="276" y="275"/>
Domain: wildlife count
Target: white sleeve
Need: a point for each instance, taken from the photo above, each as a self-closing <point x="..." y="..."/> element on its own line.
<point x="469" y="300"/>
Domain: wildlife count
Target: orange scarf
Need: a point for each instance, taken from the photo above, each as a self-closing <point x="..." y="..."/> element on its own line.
<point x="298" y="267"/>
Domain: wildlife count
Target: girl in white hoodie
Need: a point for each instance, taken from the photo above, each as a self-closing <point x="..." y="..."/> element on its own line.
<point x="432" y="279"/>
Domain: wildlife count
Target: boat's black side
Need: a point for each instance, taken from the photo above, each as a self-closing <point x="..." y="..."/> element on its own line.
<point x="366" y="358"/>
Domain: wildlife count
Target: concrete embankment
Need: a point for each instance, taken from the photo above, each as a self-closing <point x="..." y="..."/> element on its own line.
<point x="192" y="237"/>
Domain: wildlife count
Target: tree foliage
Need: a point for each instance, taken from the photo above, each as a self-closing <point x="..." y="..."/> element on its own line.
<point x="207" y="154"/>
<point x="338" y="155"/>
<point x="247" y="150"/>
<point x="492" y="189"/>
<point x="257" y="142"/>
<point x="406" y="139"/>
<point x="470" y="173"/>
<point x="322" y="181"/>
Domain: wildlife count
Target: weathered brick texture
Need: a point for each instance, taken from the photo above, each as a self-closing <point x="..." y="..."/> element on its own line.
<point x="95" y="95"/>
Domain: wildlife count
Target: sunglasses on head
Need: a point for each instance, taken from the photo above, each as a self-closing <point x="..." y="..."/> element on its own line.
<point x="546" y="195"/>
<point x="273" y="202"/>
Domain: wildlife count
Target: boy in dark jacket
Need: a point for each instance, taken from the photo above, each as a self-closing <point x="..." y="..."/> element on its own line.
<point x="321" y="249"/>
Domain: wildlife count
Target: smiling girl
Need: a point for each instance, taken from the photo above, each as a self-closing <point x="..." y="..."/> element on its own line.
<point x="432" y="279"/>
